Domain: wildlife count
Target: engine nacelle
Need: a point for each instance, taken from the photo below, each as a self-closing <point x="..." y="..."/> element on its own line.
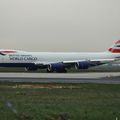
<point x="82" y="65"/>
<point x="55" y="67"/>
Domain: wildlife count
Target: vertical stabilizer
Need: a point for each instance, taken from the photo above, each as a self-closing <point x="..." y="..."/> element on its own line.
<point x="115" y="48"/>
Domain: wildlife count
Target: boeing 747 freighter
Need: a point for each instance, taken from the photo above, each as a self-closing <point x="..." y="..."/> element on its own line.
<point x="58" y="61"/>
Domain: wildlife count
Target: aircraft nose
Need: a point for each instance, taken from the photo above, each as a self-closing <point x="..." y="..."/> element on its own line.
<point x="2" y="54"/>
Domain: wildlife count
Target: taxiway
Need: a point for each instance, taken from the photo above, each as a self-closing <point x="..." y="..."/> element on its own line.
<point x="106" y="78"/>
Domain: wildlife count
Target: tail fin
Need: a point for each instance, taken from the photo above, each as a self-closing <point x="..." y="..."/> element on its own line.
<point x="115" y="48"/>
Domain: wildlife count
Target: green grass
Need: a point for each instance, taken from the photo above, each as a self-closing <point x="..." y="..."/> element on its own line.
<point x="72" y="102"/>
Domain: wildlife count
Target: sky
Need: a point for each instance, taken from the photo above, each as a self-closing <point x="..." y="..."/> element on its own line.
<point x="59" y="25"/>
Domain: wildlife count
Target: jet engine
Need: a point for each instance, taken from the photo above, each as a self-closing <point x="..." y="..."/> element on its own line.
<point x="82" y="65"/>
<point x="58" y="67"/>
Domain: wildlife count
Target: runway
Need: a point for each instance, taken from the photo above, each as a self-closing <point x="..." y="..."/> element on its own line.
<point x="106" y="78"/>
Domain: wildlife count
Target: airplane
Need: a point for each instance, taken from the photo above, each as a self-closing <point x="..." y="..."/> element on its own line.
<point x="58" y="61"/>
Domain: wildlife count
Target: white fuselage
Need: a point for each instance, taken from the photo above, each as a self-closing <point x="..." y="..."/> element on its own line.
<point x="46" y="57"/>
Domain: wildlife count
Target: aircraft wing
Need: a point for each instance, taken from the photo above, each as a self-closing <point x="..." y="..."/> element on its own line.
<point x="85" y="64"/>
<point x="78" y="64"/>
<point x="94" y="61"/>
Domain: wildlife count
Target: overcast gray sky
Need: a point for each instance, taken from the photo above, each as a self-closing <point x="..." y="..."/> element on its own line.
<point x="59" y="25"/>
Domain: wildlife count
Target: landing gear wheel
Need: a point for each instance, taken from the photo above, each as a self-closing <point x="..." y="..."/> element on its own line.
<point x="48" y="71"/>
<point x="61" y="71"/>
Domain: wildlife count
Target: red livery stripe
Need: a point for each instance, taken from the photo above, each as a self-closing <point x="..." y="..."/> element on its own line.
<point x="7" y="51"/>
<point x="113" y="50"/>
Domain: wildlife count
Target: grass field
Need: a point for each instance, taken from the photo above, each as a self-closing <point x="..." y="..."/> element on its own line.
<point x="59" y="101"/>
